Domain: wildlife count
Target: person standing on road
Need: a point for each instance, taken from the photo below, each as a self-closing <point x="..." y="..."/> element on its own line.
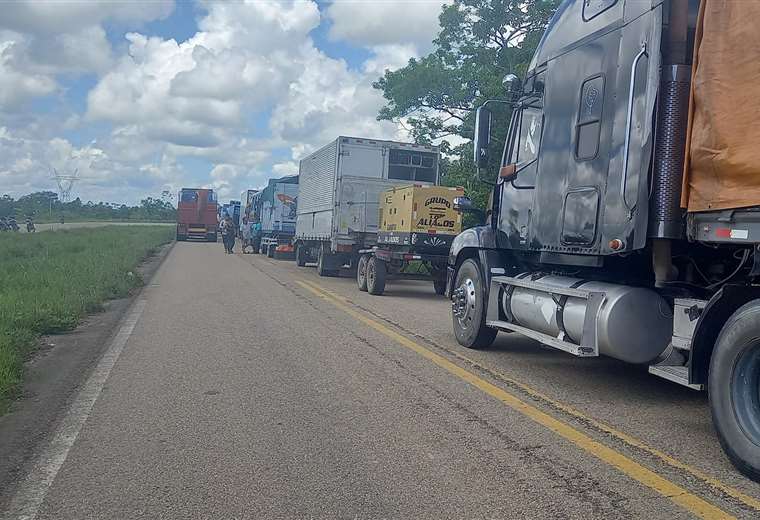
<point x="228" y="234"/>
<point x="246" y="231"/>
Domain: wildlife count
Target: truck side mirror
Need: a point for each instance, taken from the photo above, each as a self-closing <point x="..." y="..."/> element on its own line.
<point x="482" y="136"/>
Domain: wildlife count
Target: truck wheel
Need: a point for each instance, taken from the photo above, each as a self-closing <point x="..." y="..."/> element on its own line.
<point x="468" y="307"/>
<point x="376" y="272"/>
<point x="733" y="385"/>
<point x="322" y="262"/>
<point x="439" y="286"/>
<point x="300" y="255"/>
<point x="361" y="273"/>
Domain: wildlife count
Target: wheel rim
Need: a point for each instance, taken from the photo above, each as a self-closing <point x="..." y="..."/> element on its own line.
<point x="463" y="302"/>
<point x="361" y="271"/>
<point x="745" y="391"/>
<point x="370" y="273"/>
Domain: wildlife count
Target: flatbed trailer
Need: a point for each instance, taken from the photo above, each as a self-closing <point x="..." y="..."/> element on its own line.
<point x="379" y="264"/>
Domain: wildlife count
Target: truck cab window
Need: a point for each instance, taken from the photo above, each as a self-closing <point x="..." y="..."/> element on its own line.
<point x="525" y="151"/>
<point x="189" y="196"/>
<point x="411" y="166"/>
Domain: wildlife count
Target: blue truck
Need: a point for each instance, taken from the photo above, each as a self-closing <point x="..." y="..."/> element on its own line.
<point x="273" y="214"/>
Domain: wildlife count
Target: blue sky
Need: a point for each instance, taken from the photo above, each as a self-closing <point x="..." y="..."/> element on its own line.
<point x="151" y="96"/>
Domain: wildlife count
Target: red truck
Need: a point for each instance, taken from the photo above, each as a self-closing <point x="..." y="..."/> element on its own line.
<point x="196" y="214"/>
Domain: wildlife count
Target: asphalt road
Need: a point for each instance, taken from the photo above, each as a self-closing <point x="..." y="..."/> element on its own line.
<point x="244" y="387"/>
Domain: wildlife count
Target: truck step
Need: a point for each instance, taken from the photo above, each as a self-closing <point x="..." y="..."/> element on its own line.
<point x="566" y="346"/>
<point x="678" y="375"/>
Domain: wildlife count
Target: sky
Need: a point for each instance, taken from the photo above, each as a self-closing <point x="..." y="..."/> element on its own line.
<point x="145" y="96"/>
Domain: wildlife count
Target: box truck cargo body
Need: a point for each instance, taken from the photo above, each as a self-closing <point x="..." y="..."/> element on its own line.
<point x="339" y="195"/>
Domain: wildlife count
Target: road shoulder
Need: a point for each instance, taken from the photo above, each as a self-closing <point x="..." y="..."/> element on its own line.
<point x="53" y="376"/>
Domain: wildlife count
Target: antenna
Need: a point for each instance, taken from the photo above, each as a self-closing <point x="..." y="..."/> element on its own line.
<point x="65" y="184"/>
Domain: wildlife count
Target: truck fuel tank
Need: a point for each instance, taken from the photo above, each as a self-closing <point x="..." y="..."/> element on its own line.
<point x="633" y="324"/>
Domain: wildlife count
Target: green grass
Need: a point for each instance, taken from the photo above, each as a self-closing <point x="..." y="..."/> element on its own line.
<point x="50" y="281"/>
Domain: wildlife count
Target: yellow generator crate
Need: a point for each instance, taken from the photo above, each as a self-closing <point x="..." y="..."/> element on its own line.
<point x="419" y="216"/>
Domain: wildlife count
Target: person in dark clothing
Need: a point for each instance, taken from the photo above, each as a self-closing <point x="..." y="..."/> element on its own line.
<point x="228" y="234"/>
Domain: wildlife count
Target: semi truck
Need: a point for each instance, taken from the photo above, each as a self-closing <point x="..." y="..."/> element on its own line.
<point x="417" y="226"/>
<point x="274" y="211"/>
<point x="339" y="195"/>
<point x="625" y="219"/>
<point x="196" y="214"/>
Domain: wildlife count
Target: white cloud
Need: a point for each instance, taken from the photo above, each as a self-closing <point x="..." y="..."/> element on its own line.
<point x="250" y="92"/>
<point x="388" y="22"/>
<point x="51" y="17"/>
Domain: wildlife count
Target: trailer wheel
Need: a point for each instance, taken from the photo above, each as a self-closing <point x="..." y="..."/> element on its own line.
<point x="439" y="286"/>
<point x="300" y="255"/>
<point x="468" y="307"/>
<point x="733" y="384"/>
<point x="321" y="263"/>
<point x="376" y="273"/>
<point x="361" y="273"/>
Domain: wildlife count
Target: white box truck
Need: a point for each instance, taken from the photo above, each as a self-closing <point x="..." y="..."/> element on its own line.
<point x="339" y="195"/>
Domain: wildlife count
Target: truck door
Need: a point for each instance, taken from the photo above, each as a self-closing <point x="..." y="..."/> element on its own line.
<point x="524" y="144"/>
<point x="598" y="100"/>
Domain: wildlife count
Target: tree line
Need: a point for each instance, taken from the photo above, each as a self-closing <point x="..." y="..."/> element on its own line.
<point x="45" y="206"/>
<point x="435" y="97"/>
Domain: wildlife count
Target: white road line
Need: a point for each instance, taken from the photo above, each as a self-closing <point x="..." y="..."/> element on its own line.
<point x="33" y="490"/>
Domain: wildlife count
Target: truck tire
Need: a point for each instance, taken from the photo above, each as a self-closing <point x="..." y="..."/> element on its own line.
<point x="300" y="255"/>
<point x="439" y="286"/>
<point x="322" y="270"/>
<point x="361" y="273"/>
<point x="376" y="273"/>
<point x="468" y="309"/>
<point x="733" y="384"/>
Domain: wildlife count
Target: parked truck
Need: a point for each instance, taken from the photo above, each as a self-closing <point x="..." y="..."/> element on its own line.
<point x="196" y="214"/>
<point x="339" y="194"/>
<point x="417" y="226"/>
<point x="246" y="204"/>
<point x="626" y="216"/>
<point x="274" y="211"/>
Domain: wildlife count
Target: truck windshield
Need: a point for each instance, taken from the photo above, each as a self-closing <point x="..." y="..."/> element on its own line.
<point x="188" y="196"/>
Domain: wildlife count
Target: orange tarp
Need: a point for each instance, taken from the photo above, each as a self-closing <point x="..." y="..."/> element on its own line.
<point x="722" y="169"/>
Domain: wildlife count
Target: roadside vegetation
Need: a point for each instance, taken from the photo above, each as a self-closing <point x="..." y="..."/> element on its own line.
<point x="50" y="281"/>
<point x="44" y="206"/>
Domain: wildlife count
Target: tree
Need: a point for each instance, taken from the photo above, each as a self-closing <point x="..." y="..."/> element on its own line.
<point x="480" y="41"/>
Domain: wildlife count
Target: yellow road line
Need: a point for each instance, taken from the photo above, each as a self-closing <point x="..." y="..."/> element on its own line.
<point x="711" y="481"/>
<point x="636" y="471"/>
